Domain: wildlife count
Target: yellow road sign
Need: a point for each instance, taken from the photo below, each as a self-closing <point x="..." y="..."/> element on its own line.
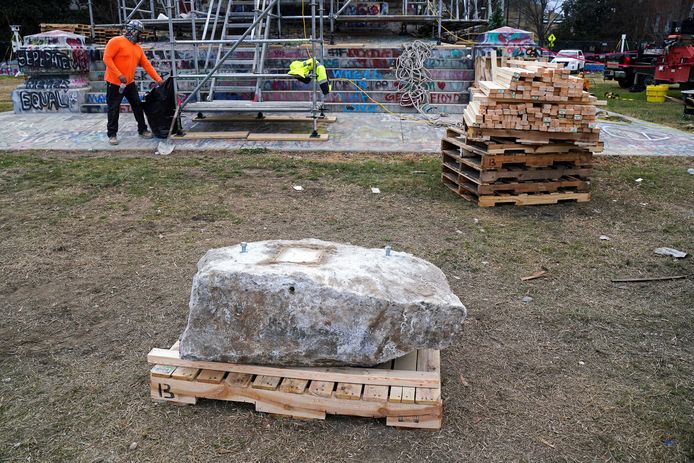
<point x="551" y="38"/>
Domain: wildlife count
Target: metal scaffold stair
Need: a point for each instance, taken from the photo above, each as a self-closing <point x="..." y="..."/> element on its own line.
<point x="227" y="28"/>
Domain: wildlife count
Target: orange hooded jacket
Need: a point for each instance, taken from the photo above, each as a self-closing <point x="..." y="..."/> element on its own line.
<point x="122" y="57"/>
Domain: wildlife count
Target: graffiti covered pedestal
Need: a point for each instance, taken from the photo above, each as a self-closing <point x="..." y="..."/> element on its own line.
<point x="57" y="64"/>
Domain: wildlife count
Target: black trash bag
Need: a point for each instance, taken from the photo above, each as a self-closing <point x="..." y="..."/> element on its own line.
<point x="160" y="107"/>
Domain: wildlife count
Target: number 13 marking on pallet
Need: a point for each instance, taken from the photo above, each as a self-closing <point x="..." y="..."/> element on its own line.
<point x="165" y="389"/>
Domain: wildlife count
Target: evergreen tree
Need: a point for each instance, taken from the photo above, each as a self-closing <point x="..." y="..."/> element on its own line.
<point x="497" y="18"/>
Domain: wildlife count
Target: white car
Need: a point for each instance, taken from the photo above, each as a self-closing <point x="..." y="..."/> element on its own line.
<point x="571" y="59"/>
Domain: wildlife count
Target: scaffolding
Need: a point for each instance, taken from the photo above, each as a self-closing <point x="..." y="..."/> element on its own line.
<point x="216" y="29"/>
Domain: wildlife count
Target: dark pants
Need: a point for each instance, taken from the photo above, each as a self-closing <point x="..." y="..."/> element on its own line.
<point x="113" y="99"/>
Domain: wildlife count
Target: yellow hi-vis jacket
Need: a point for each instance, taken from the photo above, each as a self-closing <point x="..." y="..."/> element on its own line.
<point x="302" y="71"/>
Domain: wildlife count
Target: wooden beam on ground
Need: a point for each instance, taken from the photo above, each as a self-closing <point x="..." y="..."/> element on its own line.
<point x="215" y="135"/>
<point x="268" y="118"/>
<point x="286" y="137"/>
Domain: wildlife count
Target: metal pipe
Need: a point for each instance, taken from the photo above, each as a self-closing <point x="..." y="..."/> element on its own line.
<point x="173" y="51"/>
<point x="314" y="81"/>
<point x="226" y="55"/>
<point x="332" y="21"/>
<point x="194" y="33"/>
<point x="91" y="19"/>
<point x="153" y="8"/>
<point x="343" y="8"/>
<point x="248" y="41"/>
<point x="223" y="35"/>
<point x="137" y="8"/>
<point x="439" y="21"/>
<point x="238" y="75"/>
<point x="214" y="30"/>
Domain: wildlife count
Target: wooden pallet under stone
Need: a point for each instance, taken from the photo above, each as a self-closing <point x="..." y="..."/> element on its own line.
<point x="406" y="391"/>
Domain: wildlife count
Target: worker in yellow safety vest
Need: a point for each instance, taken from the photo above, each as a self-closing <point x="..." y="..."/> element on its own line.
<point x="302" y="71"/>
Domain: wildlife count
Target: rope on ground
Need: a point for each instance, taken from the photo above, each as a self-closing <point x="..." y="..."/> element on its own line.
<point x="415" y="80"/>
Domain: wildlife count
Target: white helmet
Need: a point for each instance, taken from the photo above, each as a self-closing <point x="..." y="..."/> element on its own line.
<point x="133" y="30"/>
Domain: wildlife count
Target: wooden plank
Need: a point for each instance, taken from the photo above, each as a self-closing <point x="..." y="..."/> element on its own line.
<point x="288" y="410"/>
<point x="286" y="137"/>
<point x="494" y="63"/>
<point x="161" y="390"/>
<point x="419" y="421"/>
<point x="375" y="393"/>
<point x="337" y="374"/>
<point x="395" y="395"/>
<point x="331" y="405"/>
<point x="212" y="135"/>
<point x="185" y="373"/>
<point x="239" y="379"/>
<point x="428" y="360"/>
<point x="268" y="383"/>
<point x="211" y="376"/>
<point x="321" y="388"/>
<point x="162" y="371"/>
<point x="294" y="386"/>
<point x="267" y="118"/>
<point x="348" y="391"/>
<point x="406" y="363"/>
<point x="530" y="200"/>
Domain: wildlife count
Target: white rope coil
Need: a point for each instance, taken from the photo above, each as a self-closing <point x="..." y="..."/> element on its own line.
<point x="415" y="80"/>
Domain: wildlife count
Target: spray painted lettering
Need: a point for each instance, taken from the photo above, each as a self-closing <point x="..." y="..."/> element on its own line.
<point x="52" y="100"/>
<point x="76" y="59"/>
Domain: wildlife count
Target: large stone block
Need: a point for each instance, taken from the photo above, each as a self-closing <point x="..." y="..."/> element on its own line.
<point x="316" y="303"/>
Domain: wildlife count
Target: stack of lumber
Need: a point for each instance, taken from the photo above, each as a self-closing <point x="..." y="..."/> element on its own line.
<point x="532" y="96"/>
<point x="529" y="138"/>
<point x="102" y="34"/>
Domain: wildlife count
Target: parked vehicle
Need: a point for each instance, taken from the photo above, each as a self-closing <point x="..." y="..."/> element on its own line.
<point x="571" y="59"/>
<point x="633" y="69"/>
<point x="676" y="65"/>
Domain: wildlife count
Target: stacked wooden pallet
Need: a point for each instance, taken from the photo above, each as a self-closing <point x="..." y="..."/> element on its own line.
<point x="529" y="138"/>
<point x="102" y="34"/>
<point x="405" y="391"/>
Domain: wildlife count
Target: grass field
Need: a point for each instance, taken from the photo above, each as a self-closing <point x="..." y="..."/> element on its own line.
<point x="7" y="84"/>
<point x="635" y="105"/>
<point x="97" y="255"/>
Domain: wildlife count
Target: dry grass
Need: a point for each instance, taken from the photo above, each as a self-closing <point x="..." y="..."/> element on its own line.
<point x="7" y="84"/>
<point x="98" y="255"/>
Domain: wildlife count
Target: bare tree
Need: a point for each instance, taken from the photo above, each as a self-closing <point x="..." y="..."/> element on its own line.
<point x="541" y="15"/>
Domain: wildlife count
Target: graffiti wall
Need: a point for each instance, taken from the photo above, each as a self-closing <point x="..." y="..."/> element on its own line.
<point x="66" y="75"/>
<point x="57" y="65"/>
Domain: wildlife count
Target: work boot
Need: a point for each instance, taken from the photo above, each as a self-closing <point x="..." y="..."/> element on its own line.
<point x="147" y="134"/>
<point x="113" y="140"/>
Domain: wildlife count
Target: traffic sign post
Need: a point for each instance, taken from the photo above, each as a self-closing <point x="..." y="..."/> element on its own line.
<point x="551" y="39"/>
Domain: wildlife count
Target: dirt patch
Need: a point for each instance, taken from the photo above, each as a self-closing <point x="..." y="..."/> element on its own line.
<point x="98" y="253"/>
<point x="7" y="85"/>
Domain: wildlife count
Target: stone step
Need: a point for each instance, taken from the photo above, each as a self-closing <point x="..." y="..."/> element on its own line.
<point x="334" y="107"/>
<point x="377" y="63"/>
<point x="437" y="75"/>
<point x="295" y="85"/>
<point x="334" y="97"/>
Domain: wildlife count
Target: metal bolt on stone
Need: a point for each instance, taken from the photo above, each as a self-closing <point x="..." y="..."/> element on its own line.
<point x="244" y="247"/>
<point x="388" y="248"/>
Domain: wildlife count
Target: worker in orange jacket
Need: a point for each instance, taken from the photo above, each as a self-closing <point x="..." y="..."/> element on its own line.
<point x="122" y="55"/>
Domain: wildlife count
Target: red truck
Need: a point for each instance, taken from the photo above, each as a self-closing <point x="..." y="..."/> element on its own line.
<point x="676" y="66"/>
